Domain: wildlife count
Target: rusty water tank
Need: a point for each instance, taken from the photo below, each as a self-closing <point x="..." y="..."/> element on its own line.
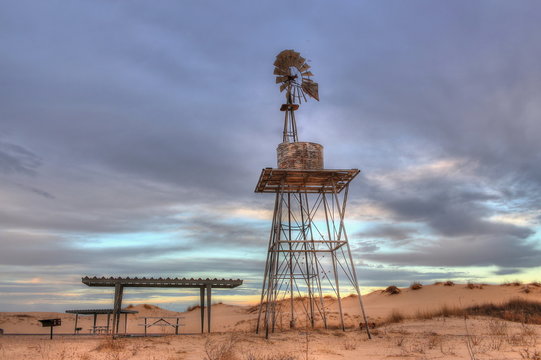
<point x="300" y="155"/>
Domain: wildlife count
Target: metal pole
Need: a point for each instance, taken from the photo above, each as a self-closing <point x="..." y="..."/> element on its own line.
<point x="333" y="257"/>
<point x="266" y="274"/>
<point x="125" y="323"/>
<point x="145" y="326"/>
<point x="51" y="337"/>
<point x="117" y="306"/>
<point x="292" y="304"/>
<point x="75" y="327"/>
<point x="176" y="328"/>
<point x="94" y="326"/>
<point x="202" y="307"/>
<point x="353" y="270"/>
<point x="306" y="257"/>
<point x="209" y="289"/>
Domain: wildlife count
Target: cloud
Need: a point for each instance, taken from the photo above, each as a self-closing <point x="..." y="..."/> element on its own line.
<point x="16" y="159"/>
<point x="109" y="131"/>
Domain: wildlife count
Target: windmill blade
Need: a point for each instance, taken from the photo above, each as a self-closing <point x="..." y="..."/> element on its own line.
<point x="311" y="88"/>
<point x="283" y="86"/>
<point x="280" y="79"/>
<point x="304" y="67"/>
<point x="308" y="73"/>
<point x="278" y="71"/>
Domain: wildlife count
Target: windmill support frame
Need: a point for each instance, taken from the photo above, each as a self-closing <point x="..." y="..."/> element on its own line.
<point x="308" y="251"/>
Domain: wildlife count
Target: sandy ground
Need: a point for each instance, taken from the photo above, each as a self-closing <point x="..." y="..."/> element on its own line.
<point x="233" y="332"/>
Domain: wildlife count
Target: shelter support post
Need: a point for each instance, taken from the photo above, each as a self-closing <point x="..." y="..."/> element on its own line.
<point x="202" y="307"/>
<point x="209" y="290"/>
<point x="75" y="326"/>
<point x="117" y="307"/>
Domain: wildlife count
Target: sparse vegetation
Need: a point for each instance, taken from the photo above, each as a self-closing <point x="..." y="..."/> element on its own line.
<point x="472" y="286"/>
<point x="394" y="317"/>
<point x="448" y="283"/>
<point x="255" y="356"/>
<point x="192" y="307"/>
<point x="416" y="285"/>
<point x="530" y="354"/>
<point x="350" y="345"/>
<point x="517" y="310"/>
<point x="392" y="290"/>
<point x="221" y="350"/>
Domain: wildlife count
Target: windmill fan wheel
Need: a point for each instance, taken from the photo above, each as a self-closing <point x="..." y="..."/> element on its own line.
<point x="292" y="73"/>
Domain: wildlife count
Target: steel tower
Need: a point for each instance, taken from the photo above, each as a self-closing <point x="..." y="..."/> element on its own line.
<point x="308" y="255"/>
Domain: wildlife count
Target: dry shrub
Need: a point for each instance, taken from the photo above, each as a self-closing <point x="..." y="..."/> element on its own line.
<point x="527" y="336"/>
<point x="256" y="356"/>
<point x="416" y="285"/>
<point x="438" y="283"/>
<point x="497" y="328"/>
<point x="448" y="283"/>
<point x="148" y="307"/>
<point x="109" y="344"/>
<point x="526" y="290"/>
<point x="472" y="286"/>
<point x="433" y="340"/>
<point x="394" y="317"/>
<point x="221" y="350"/>
<point x="114" y="349"/>
<point x="350" y="345"/>
<point x="392" y="290"/>
<point x="444" y="311"/>
<point x="518" y="310"/>
<point x="535" y="284"/>
<point x="194" y="307"/>
<point x="530" y="354"/>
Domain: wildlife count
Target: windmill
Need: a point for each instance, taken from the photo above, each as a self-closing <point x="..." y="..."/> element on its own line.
<point x="308" y="254"/>
<point x="293" y="75"/>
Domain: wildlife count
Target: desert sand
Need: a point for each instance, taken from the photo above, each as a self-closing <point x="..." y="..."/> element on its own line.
<point x="416" y="336"/>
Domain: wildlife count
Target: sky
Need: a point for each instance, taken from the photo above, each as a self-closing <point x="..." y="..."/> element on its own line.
<point x="132" y="135"/>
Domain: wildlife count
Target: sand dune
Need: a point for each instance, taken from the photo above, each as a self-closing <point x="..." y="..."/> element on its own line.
<point x="436" y="338"/>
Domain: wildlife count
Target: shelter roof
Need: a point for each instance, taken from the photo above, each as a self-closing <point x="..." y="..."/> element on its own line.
<point x="161" y="282"/>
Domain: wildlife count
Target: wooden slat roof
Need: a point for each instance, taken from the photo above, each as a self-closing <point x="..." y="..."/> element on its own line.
<point x="161" y="282"/>
<point x="99" y="311"/>
<point x="310" y="181"/>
